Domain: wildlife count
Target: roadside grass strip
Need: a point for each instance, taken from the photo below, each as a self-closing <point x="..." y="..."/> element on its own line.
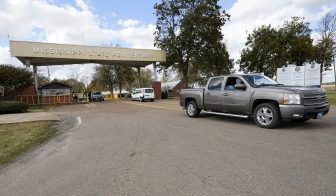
<point x="151" y="106"/>
<point x="331" y="93"/>
<point x="16" y="138"/>
<point x="39" y="108"/>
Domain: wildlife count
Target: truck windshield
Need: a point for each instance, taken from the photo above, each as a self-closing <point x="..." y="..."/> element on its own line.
<point x="260" y="80"/>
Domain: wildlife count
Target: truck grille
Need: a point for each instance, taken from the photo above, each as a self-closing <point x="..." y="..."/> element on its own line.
<point x="314" y="98"/>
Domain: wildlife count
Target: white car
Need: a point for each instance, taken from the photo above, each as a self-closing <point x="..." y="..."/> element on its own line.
<point x="143" y="94"/>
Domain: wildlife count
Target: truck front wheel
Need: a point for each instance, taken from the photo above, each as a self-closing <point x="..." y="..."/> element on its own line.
<point x="192" y="109"/>
<point x="267" y="115"/>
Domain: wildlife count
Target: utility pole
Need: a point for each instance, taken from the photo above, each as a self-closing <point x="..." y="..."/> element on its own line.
<point x="48" y="73"/>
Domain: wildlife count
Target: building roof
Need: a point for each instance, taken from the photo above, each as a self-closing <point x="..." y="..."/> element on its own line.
<point x="169" y="85"/>
<point x="55" y="85"/>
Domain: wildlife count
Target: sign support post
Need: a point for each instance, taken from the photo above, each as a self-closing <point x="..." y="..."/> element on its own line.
<point x="36" y="83"/>
<point x="139" y="76"/>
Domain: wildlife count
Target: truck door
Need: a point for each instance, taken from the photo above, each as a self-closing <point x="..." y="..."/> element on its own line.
<point x="213" y="93"/>
<point x="235" y="100"/>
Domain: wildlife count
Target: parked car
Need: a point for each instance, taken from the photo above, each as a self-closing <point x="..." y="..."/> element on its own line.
<point x="97" y="96"/>
<point x="143" y="94"/>
<point x="257" y="96"/>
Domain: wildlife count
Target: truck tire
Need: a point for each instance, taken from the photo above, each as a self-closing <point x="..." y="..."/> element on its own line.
<point x="267" y="115"/>
<point x="192" y="109"/>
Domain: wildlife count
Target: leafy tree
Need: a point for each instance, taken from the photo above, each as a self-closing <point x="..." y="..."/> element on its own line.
<point x="124" y="76"/>
<point x="260" y="54"/>
<point x="213" y="62"/>
<point x="95" y="85"/>
<point x="114" y="76"/>
<point x="13" y="79"/>
<point x="146" y="76"/>
<point x="105" y="75"/>
<point x="76" y="85"/>
<point x="296" y="41"/>
<point x="186" y="30"/>
<point x="268" y="48"/>
<point x="326" y="42"/>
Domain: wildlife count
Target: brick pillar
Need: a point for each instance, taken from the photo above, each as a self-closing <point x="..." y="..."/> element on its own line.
<point x="157" y="89"/>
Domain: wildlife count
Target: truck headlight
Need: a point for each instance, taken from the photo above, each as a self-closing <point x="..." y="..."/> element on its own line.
<point x="291" y="99"/>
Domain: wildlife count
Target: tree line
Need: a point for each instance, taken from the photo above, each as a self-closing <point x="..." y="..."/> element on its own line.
<point x="268" y="48"/>
<point x="190" y="33"/>
<point x="14" y="79"/>
<point x="111" y="77"/>
<point x="104" y="78"/>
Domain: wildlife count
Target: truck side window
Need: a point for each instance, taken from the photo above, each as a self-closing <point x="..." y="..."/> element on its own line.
<point x="231" y="82"/>
<point x="216" y="83"/>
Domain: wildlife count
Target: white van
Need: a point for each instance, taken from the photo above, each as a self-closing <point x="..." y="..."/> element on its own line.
<point x="143" y="94"/>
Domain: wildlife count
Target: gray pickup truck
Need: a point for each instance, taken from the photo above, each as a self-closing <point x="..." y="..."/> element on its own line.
<point x="257" y="96"/>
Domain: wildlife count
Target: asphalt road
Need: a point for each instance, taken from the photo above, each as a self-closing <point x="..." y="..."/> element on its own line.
<point x="127" y="149"/>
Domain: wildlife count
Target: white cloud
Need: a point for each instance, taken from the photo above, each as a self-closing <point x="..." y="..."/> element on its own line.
<point x="5" y="57"/>
<point x="83" y="5"/>
<point x="129" y="22"/>
<point x="249" y="14"/>
<point x="44" y="21"/>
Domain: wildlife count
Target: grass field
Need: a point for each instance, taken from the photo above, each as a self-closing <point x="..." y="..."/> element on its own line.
<point x="331" y="92"/>
<point x="39" y="108"/>
<point x="17" y="138"/>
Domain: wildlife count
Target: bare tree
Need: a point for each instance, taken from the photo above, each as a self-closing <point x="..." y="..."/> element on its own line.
<point x="327" y="26"/>
<point x="326" y="43"/>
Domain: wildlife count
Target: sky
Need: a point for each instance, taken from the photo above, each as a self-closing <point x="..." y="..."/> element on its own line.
<point x="131" y="23"/>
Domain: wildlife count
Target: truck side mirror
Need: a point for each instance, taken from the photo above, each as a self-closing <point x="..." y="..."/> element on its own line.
<point x="240" y="86"/>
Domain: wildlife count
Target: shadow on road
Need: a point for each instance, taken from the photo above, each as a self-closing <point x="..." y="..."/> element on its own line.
<point x="286" y="125"/>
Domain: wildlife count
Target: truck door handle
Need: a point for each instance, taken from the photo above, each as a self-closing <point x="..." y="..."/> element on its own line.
<point x="225" y="94"/>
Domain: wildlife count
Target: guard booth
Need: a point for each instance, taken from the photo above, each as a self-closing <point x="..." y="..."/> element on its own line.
<point x="47" y="54"/>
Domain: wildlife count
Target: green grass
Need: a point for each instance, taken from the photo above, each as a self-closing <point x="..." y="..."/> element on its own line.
<point x="331" y="93"/>
<point x="17" y="138"/>
<point x="39" y="108"/>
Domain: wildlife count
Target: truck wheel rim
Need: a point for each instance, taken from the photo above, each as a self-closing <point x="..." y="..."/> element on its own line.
<point x="265" y="116"/>
<point x="191" y="109"/>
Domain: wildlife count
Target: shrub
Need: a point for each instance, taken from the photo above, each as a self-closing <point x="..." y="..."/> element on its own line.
<point x="8" y="107"/>
<point x="164" y="95"/>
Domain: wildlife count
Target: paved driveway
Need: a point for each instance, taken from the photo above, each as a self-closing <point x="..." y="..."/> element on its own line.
<point x="127" y="149"/>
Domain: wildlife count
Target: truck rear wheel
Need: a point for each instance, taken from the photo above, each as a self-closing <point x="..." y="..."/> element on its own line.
<point x="192" y="109"/>
<point x="267" y="115"/>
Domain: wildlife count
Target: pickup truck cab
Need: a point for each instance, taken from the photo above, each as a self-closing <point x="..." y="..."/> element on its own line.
<point x="256" y="96"/>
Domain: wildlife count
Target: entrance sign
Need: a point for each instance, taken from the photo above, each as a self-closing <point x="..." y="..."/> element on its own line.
<point x="284" y="75"/>
<point x="41" y="54"/>
<point x="307" y="75"/>
<point x="312" y="74"/>
<point x="297" y="76"/>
